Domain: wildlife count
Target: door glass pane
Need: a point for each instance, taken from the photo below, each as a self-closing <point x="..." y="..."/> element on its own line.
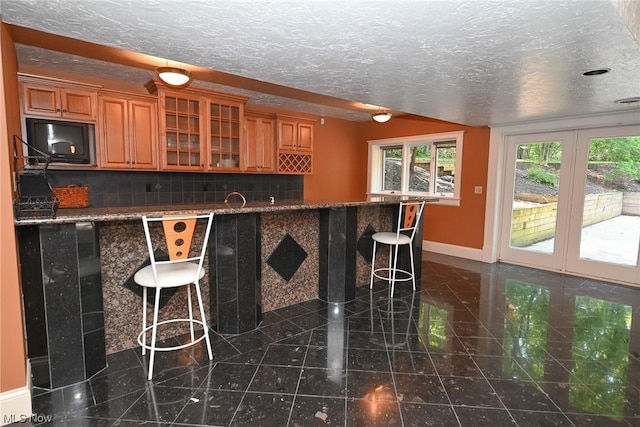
<point x="611" y="215"/>
<point x="535" y="196"/>
<point x="445" y="168"/>
<point x="419" y="166"/>
<point x="392" y="170"/>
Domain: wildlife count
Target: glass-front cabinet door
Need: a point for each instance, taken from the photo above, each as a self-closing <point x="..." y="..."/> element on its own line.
<point x="182" y="139"/>
<point x="224" y="134"/>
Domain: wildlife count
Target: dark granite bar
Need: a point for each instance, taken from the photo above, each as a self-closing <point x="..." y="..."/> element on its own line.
<point x="234" y="256"/>
<point x="136" y="212"/>
<point x="62" y="287"/>
<point x="338" y="240"/>
<point x="261" y="257"/>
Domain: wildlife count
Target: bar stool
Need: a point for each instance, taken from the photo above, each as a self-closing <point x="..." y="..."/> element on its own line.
<point x="409" y="216"/>
<point x="184" y="268"/>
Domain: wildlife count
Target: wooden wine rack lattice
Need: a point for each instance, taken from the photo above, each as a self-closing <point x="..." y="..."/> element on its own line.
<point x="294" y="163"/>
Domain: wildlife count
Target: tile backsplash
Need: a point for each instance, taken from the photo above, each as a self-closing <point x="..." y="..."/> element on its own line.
<point x="114" y="188"/>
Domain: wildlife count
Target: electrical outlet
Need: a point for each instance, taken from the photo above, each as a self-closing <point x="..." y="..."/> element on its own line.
<point x="477" y="189"/>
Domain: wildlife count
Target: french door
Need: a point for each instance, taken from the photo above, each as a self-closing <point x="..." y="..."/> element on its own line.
<point x="571" y="202"/>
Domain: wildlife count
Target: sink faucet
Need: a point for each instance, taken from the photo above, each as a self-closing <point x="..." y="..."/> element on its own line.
<point x="235" y="193"/>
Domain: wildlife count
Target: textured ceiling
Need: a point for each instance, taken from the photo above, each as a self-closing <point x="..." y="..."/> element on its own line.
<point x="474" y="62"/>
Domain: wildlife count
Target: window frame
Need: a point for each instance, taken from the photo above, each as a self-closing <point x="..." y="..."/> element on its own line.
<point x="375" y="169"/>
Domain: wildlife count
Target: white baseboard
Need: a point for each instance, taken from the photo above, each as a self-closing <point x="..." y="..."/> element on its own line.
<point x="15" y="405"/>
<point x="452" y="250"/>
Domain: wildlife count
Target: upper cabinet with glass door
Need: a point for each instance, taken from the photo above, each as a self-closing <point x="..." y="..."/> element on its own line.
<point x="224" y="134"/>
<point x="182" y="117"/>
<point x="200" y="129"/>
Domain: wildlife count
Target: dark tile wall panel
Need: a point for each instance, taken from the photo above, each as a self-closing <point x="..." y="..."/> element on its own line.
<point x="63" y="311"/>
<point x="338" y="240"/>
<point x="34" y="312"/>
<point x="90" y="277"/>
<point x="234" y="293"/>
<point x="249" y="311"/>
<point x="123" y="188"/>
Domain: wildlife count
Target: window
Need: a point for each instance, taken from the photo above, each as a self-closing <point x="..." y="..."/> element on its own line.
<point x="417" y="165"/>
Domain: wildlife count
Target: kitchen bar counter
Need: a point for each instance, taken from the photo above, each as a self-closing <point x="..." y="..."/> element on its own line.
<point x="81" y="302"/>
<point x="233" y="207"/>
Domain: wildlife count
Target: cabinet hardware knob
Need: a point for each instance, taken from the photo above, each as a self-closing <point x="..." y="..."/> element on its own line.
<point x="57" y="110"/>
<point x="64" y="111"/>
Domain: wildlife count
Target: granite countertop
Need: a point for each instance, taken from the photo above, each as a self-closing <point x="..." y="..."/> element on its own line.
<point x="136" y="212"/>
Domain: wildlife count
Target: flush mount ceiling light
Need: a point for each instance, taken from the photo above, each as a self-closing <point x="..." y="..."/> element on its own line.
<point x="596" y="72"/>
<point x="381" y="117"/>
<point x="173" y="76"/>
<point x="628" y="101"/>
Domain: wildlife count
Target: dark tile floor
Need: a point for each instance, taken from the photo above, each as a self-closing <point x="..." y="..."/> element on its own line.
<point x="477" y="345"/>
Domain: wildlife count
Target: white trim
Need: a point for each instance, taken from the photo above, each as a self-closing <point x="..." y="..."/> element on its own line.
<point x="439" y="200"/>
<point x="430" y="137"/>
<point x="496" y="163"/>
<point x="375" y="169"/>
<point x="576" y="122"/>
<point x="453" y="250"/>
<point x="15" y="405"/>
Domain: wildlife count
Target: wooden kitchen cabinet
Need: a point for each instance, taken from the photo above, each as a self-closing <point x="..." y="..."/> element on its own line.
<point x="201" y="130"/>
<point x="128" y="133"/>
<point x="49" y="100"/>
<point x="295" y="145"/>
<point x="225" y="130"/>
<point x="182" y="126"/>
<point x="259" y="144"/>
<point x="295" y="134"/>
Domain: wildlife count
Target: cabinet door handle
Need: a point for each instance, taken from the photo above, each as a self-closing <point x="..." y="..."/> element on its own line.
<point x="57" y="110"/>
<point x="64" y="110"/>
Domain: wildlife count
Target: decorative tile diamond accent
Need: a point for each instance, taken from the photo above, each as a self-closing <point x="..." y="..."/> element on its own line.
<point x="365" y="243"/>
<point x="287" y="257"/>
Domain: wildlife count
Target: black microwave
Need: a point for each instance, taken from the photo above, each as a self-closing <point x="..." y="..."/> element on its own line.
<point x="65" y="142"/>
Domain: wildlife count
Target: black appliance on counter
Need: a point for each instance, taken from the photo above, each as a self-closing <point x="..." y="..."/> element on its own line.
<point x="64" y="142"/>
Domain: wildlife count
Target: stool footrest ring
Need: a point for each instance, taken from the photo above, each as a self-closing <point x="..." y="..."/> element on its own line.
<point x="178" y="347"/>
<point x="378" y="273"/>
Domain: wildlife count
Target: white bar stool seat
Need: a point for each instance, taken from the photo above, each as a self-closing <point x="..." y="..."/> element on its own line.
<point x="409" y="216"/>
<point x="184" y="268"/>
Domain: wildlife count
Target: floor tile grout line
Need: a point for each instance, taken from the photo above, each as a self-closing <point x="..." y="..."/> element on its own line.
<point x="521" y="367"/>
<point x="244" y="394"/>
<point x="345" y="406"/>
<point x="493" y="389"/>
<point x="391" y="370"/>
<point x="455" y="413"/>
<point x="295" y="394"/>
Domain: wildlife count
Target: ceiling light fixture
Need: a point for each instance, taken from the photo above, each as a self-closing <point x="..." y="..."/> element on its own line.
<point x="176" y="77"/>
<point x="381" y="117"/>
<point x="596" y="72"/>
<point x="628" y="101"/>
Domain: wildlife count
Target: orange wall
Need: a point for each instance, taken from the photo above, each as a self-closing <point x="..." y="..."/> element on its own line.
<point x="12" y="340"/>
<point x="339" y="162"/>
<point x="340" y="171"/>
